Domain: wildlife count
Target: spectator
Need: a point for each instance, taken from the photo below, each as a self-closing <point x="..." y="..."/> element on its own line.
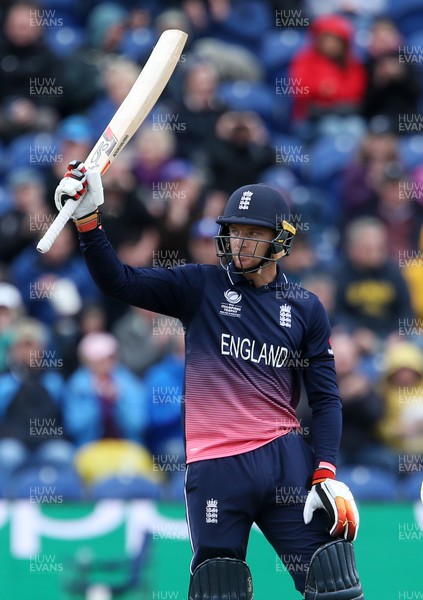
<point x="69" y="332"/>
<point x="154" y="149"/>
<point x="372" y="294"/>
<point x="106" y="26"/>
<point x="411" y="266"/>
<point x="402" y="215"/>
<point x="240" y="24"/>
<point x="140" y="248"/>
<point x="361" y="180"/>
<point x="75" y="138"/>
<point x="323" y="284"/>
<point x="173" y="18"/>
<point x="214" y="203"/>
<point x="362" y="409"/>
<point x="125" y="215"/>
<point x="119" y="76"/>
<point x="20" y="226"/>
<point x="103" y="399"/>
<point x="30" y="400"/>
<point x="11" y="307"/>
<point x="402" y="388"/>
<point x="241" y="146"/>
<point x="140" y="346"/>
<point x="198" y="110"/>
<point x="29" y="75"/>
<point x="165" y="385"/>
<point x="331" y="80"/>
<point x="393" y="84"/>
<point x="304" y="259"/>
<point x="231" y="61"/>
<point x="179" y="206"/>
<point x="55" y="284"/>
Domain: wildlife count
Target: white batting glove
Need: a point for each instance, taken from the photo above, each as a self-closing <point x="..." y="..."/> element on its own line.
<point x="337" y="500"/>
<point x="80" y="183"/>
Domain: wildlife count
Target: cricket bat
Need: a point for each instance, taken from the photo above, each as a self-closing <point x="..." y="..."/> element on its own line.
<point x="131" y="113"/>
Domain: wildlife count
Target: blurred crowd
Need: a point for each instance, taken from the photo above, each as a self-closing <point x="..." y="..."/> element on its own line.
<point x="319" y="99"/>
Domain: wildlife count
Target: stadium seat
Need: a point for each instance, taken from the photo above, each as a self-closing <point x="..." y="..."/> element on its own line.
<point x="64" y="41"/>
<point x="114" y="457"/>
<point x="407" y="15"/>
<point x="360" y="43"/>
<point x="136" y="44"/>
<point x="46" y="483"/>
<point x="411" y="151"/>
<point x="6" y="202"/>
<point x="243" y="95"/>
<point x="278" y="49"/>
<point x="281" y="178"/>
<point x="3" y="483"/>
<point x="409" y="487"/>
<point x="415" y="39"/>
<point x="369" y="483"/>
<point x="61" y="13"/>
<point x="290" y="152"/>
<point x="328" y="158"/>
<point x="3" y="161"/>
<point x="124" y="486"/>
<point x="37" y="150"/>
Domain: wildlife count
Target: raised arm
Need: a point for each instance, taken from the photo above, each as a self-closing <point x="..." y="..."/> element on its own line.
<point x="175" y="292"/>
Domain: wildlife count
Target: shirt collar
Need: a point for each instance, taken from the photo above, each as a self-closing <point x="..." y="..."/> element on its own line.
<point x="239" y="279"/>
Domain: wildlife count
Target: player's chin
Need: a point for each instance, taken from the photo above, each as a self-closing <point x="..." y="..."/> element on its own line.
<point x="246" y="262"/>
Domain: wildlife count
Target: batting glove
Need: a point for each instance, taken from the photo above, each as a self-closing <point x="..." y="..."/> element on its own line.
<point x="78" y="183"/>
<point x="336" y="499"/>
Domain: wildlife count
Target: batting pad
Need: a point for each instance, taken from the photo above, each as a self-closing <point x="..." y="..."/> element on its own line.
<point x="221" y="579"/>
<point x="332" y="574"/>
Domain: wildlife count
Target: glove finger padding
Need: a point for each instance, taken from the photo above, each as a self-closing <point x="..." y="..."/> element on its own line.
<point x="76" y="170"/>
<point x="339" y="503"/>
<point x="336" y="499"/>
<point x="69" y="189"/>
<point x="81" y="185"/>
<point x="353" y="521"/>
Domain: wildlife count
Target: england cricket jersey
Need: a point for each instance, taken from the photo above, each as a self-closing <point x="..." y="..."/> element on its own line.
<point x="247" y="350"/>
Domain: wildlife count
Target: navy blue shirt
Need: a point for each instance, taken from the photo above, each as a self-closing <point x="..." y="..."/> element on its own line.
<point x="247" y="351"/>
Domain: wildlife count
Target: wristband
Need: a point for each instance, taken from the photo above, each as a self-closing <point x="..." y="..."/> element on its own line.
<point x="89" y="222"/>
<point x="325" y="470"/>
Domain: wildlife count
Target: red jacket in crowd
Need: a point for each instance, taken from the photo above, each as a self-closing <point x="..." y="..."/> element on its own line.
<point x="323" y="83"/>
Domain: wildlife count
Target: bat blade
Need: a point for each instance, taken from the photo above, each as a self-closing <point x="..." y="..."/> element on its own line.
<point x="127" y="119"/>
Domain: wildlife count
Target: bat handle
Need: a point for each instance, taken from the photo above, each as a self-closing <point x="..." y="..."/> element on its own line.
<point x="56" y="227"/>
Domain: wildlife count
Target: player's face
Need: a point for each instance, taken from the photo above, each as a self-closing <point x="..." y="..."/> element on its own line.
<point x="249" y="242"/>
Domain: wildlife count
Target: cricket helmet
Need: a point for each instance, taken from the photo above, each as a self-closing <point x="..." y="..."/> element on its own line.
<point x="261" y="205"/>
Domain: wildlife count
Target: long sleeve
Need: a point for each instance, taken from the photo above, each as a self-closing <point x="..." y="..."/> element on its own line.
<point x="175" y="292"/>
<point x="322" y="388"/>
